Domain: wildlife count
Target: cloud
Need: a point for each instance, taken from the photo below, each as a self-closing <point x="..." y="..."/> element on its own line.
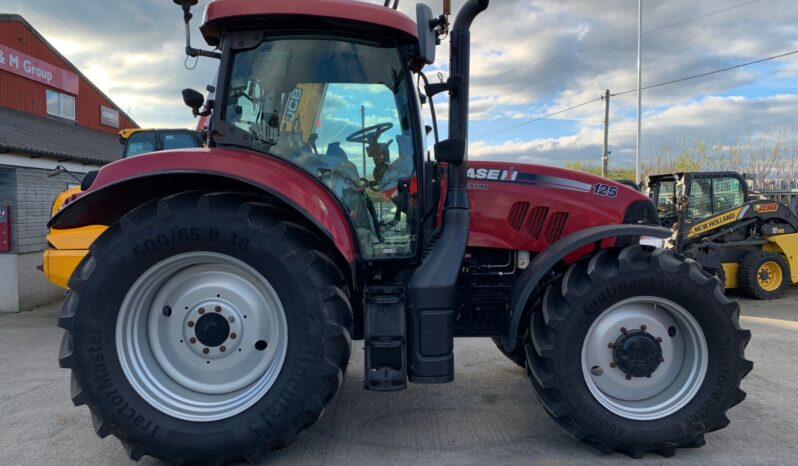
<point x="528" y="59"/>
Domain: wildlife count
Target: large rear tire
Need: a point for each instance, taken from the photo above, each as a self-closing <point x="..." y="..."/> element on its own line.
<point x="637" y="350"/>
<point x="205" y="328"/>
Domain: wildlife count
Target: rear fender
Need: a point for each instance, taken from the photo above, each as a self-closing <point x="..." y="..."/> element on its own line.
<point x="551" y="256"/>
<point x="128" y="183"/>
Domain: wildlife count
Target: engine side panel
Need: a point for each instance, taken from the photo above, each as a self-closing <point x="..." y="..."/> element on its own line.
<point x="528" y="207"/>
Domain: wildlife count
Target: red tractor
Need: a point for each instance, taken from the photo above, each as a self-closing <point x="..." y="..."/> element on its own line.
<point x="212" y="321"/>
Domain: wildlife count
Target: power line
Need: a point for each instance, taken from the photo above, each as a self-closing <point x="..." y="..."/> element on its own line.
<point x="604" y="44"/>
<point x="686" y="78"/>
<point x="542" y="117"/>
<point x="729" y="68"/>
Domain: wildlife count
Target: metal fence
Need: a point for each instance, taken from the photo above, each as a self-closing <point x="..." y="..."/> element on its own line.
<point x="784" y="191"/>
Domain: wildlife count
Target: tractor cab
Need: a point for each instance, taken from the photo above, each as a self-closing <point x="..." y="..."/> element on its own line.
<point x="341" y="109"/>
<point x="708" y="193"/>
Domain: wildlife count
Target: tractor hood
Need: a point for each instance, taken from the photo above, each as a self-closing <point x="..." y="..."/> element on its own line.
<point x="528" y="207"/>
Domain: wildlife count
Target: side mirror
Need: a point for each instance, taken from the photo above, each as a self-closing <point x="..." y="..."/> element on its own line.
<point x="193" y="100"/>
<point x="427" y="40"/>
<point x="451" y="150"/>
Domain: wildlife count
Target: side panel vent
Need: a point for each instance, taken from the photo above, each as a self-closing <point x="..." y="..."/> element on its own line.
<point x="537" y="218"/>
<point x="518" y="215"/>
<point x="555" y="226"/>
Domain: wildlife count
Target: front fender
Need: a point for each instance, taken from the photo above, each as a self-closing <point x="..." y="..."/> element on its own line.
<point x="128" y="183"/>
<point x="557" y="251"/>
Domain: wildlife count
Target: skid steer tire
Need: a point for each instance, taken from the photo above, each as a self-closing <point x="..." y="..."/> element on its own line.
<point x="763" y="275"/>
<point x="603" y="305"/>
<point x="518" y="355"/>
<point x="238" y="264"/>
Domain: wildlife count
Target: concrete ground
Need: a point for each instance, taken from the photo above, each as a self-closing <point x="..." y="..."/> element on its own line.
<point x="489" y="415"/>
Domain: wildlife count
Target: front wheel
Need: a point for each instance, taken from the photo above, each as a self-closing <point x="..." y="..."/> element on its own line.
<point x="763" y="275"/>
<point x="660" y="357"/>
<point x="206" y="328"/>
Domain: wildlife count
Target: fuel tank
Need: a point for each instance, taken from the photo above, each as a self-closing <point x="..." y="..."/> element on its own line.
<point x="528" y="207"/>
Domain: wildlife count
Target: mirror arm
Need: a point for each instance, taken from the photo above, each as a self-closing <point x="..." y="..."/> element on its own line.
<point x="191" y="51"/>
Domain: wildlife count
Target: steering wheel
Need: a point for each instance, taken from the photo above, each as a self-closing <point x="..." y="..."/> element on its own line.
<point x="369" y="134"/>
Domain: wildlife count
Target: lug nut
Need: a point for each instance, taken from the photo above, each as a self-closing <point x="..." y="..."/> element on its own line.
<point x="623" y="330"/>
<point x="190" y="323"/>
<point x="192" y="340"/>
<point x="233" y="336"/>
<point x="231" y="319"/>
<point x="643" y="328"/>
<point x="612" y="364"/>
<point x="201" y="310"/>
<point x="659" y="339"/>
<point x="205" y="351"/>
<point x="222" y="348"/>
<point x="610" y="345"/>
<point x="661" y="359"/>
<point x="628" y="377"/>
<point x="218" y="309"/>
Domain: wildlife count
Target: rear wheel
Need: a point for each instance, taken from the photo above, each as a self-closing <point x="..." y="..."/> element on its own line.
<point x="205" y="328"/>
<point x="763" y="275"/>
<point x="661" y="353"/>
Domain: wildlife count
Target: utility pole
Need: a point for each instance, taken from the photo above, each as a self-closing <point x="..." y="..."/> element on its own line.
<point x="639" y="86"/>
<point x="605" y="155"/>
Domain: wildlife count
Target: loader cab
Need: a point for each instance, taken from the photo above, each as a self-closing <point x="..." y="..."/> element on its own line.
<point x="343" y="108"/>
<point x="142" y="141"/>
<point x="708" y="193"/>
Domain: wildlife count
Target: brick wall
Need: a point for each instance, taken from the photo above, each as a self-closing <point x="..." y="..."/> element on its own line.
<point x="35" y="193"/>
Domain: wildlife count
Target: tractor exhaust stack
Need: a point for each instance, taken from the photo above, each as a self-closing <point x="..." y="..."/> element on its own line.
<point x="432" y="290"/>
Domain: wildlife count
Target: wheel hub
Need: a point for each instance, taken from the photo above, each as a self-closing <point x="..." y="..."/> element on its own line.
<point x="212" y="330"/>
<point x="637" y="353"/>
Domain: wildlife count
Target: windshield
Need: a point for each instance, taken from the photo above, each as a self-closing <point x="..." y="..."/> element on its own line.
<point x="340" y="110"/>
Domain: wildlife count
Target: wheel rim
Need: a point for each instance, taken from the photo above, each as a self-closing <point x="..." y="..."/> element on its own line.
<point x="769" y="276"/>
<point x="644" y="358"/>
<point x="201" y="336"/>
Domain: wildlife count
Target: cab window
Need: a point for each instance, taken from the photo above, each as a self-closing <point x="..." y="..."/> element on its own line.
<point x="176" y="140"/>
<point x="727" y="194"/>
<point x="140" y="143"/>
<point x="339" y="110"/>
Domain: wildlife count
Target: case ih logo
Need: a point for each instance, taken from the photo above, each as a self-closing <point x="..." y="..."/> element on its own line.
<point x="492" y="174"/>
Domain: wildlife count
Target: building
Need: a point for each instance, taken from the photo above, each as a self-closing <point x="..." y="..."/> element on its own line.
<point x="50" y="115"/>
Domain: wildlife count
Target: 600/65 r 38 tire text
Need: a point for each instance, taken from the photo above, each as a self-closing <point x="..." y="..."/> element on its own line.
<point x="637" y="350"/>
<point x="205" y="328"/>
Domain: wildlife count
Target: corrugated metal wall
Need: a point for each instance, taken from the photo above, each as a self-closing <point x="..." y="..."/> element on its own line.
<point x="29" y="96"/>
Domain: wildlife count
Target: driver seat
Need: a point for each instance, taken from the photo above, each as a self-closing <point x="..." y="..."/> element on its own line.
<point x="402" y="167"/>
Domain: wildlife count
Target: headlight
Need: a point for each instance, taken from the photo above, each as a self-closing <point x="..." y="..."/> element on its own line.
<point x="652" y="241"/>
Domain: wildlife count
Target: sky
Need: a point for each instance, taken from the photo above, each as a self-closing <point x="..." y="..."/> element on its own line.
<point x="529" y="59"/>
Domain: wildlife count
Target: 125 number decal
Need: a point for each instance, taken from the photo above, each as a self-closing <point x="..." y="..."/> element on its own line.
<point x="602" y="189"/>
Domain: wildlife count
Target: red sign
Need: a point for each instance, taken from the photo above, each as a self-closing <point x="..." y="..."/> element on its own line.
<point x="37" y="70"/>
<point x="5" y="229"/>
